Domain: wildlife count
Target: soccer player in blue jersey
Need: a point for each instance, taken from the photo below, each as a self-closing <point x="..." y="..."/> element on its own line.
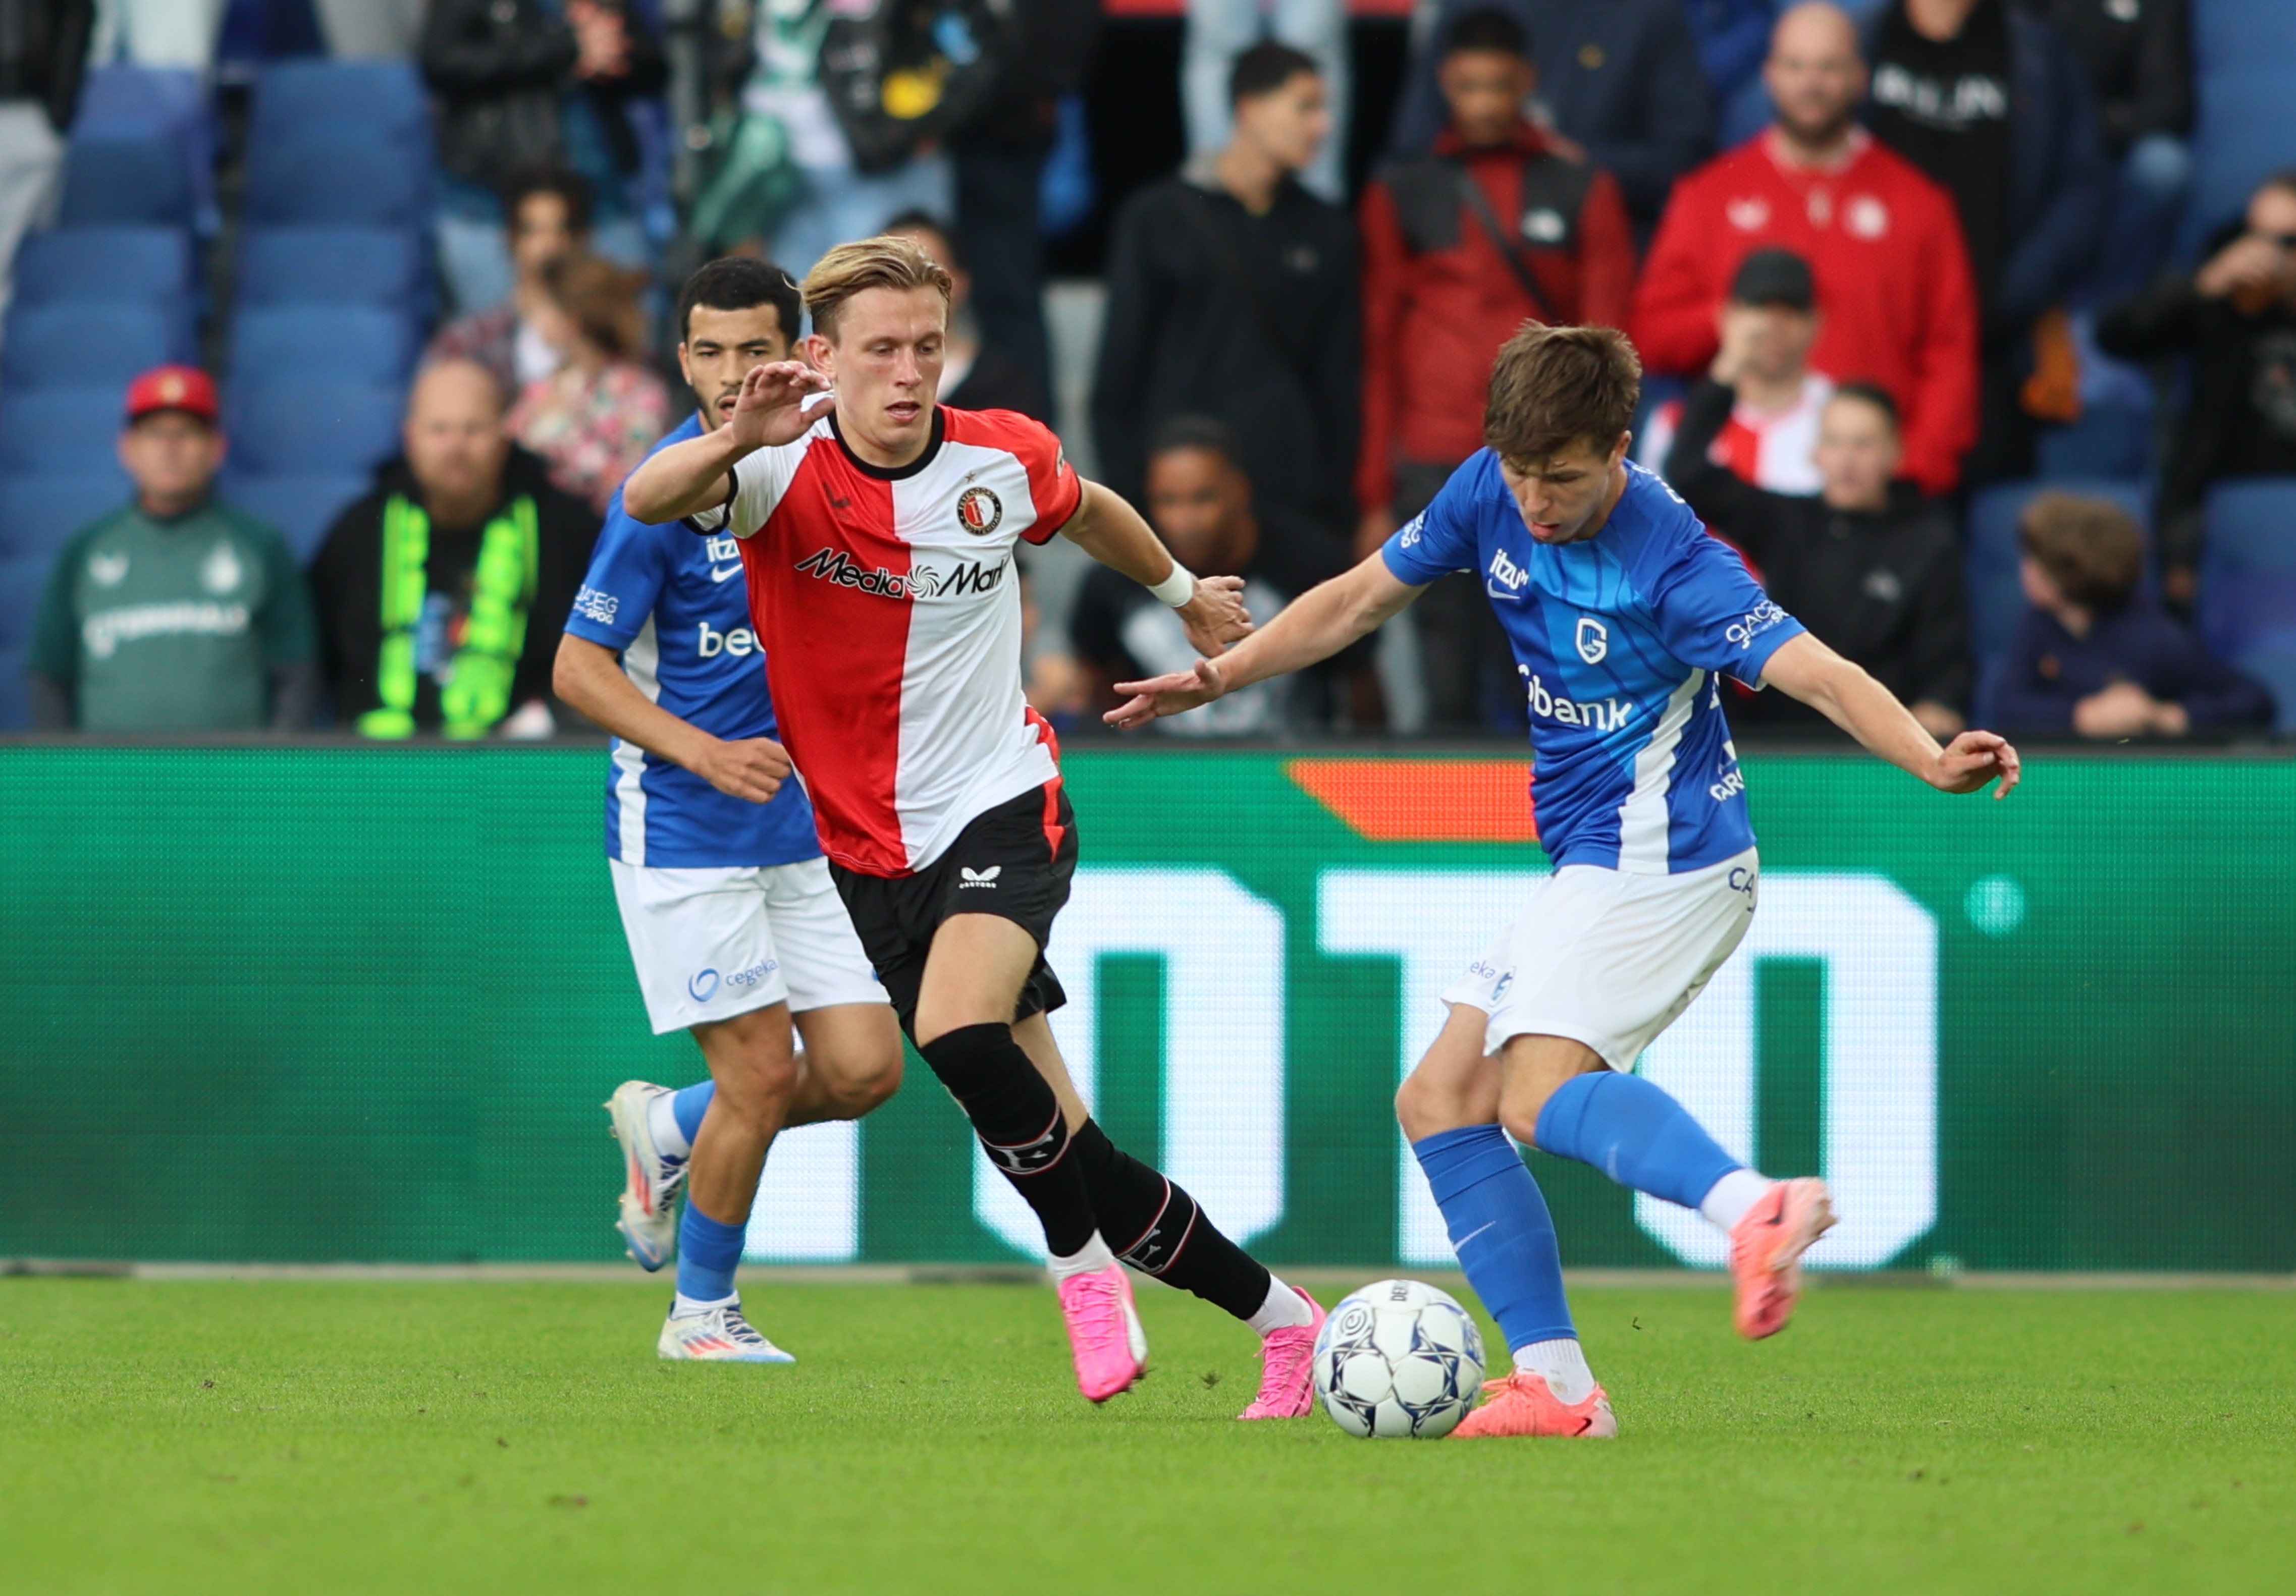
<point x="735" y="926"/>
<point x="1623" y="615"/>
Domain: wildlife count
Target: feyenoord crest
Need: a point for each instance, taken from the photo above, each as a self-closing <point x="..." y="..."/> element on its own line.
<point x="979" y="509"/>
<point x="1593" y="640"/>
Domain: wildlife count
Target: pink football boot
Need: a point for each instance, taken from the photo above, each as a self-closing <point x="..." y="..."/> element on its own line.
<point x="1766" y="1248"/>
<point x="1521" y="1404"/>
<point x="1287" y="1373"/>
<point x="1105" y="1333"/>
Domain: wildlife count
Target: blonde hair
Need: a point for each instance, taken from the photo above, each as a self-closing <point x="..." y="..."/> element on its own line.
<point x="888" y="261"/>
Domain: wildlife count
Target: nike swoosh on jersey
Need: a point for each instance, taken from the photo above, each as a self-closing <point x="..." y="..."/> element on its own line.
<point x="727" y="575"/>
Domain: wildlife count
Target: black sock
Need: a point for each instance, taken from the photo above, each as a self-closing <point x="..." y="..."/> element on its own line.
<point x="1154" y="1225"/>
<point x="1019" y="1122"/>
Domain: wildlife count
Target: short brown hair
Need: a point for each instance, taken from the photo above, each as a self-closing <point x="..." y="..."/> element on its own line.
<point x="2092" y="549"/>
<point x="601" y="300"/>
<point x="887" y="261"/>
<point x="1554" y="387"/>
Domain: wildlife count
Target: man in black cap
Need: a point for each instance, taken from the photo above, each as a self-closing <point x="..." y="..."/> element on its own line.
<point x="1768" y="326"/>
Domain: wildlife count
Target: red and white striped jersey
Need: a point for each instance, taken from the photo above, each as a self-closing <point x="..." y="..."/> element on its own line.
<point x="1777" y="449"/>
<point x="890" y="614"/>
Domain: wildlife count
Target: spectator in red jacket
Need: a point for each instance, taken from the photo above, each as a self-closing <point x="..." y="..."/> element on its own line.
<point x="1893" y="274"/>
<point x="1499" y="222"/>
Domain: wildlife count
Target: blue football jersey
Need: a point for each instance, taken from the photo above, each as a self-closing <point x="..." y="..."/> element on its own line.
<point x="1621" y="641"/>
<point x="677" y="608"/>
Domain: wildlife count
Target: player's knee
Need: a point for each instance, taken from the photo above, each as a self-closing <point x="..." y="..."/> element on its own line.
<point x="863" y="1085"/>
<point x="1520" y="1102"/>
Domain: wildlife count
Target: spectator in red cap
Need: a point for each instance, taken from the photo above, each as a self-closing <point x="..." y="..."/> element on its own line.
<point x="176" y="613"/>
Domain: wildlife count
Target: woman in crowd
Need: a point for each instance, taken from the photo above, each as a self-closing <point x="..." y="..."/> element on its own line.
<point x="594" y="417"/>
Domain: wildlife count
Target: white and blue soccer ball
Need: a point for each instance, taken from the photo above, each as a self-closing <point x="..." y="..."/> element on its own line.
<point x="1398" y="1358"/>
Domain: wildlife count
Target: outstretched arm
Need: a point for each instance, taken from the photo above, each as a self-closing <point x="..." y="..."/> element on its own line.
<point x="1805" y="669"/>
<point x="695" y="475"/>
<point x="1108" y="529"/>
<point x="1323" y="621"/>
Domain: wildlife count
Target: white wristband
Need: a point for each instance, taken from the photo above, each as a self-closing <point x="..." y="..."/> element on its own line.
<point x="1177" y="588"/>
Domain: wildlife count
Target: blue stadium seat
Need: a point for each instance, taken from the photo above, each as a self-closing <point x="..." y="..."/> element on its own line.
<point x="139" y="100"/>
<point x="15" y="716"/>
<point x="2109" y="443"/>
<point x="38" y="513"/>
<point x="1995" y="598"/>
<point x="2248" y="583"/>
<point x="69" y="346"/>
<point x="338" y="181"/>
<point x="352" y="343"/>
<point x="370" y="99"/>
<point x="331" y="266"/>
<point x="284" y="429"/>
<point x="132" y="182"/>
<point x="303" y="508"/>
<point x="75" y="264"/>
<point x="51" y="430"/>
<point x="23" y="579"/>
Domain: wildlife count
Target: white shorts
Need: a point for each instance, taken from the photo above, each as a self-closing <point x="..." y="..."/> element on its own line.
<point x="711" y="943"/>
<point x="1610" y="959"/>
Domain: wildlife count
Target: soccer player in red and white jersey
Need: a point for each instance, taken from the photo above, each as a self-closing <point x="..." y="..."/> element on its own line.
<point x="878" y="531"/>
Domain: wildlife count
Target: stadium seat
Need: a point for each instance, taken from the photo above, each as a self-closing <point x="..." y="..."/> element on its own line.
<point x="1995" y="598"/>
<point x="331" y="266"/>
<point x="133" y="182"/>
<point x="303" y="508"/>
<point x="284" y="429"/>
<point x="74" y="264"/>
<point x="52" y="431"/>
<point x="355" y="343"/>
<point x="40" y="513"/>
<point x="339" y="181"/>
<point x="348" y="99"/>
<point x="143" y="100"/>
<point x="67" y="345"/>
<point x="15" y="716"/>
<point x="2109" y="443"/>
<point x="23" y="579"/>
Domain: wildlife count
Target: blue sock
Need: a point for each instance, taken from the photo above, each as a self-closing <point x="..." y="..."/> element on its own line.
<point x="708" y="1254"/>
<point x="1501" y="1230"/>
<point x="690" y="1105"/>
<point x="1633" y="1132"/>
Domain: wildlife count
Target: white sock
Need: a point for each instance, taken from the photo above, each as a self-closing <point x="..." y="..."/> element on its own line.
<point x="661" y="1120"/>
<point x="683" y="1306"/>
<point x="1093" y="1255"/>
<point x="1562" y="1365"/>
<point x="1733" y="1195"/>
<point x="1284" y="1309"/>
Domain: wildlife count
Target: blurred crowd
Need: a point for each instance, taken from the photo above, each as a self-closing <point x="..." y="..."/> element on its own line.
<point x="1937" y="329"/>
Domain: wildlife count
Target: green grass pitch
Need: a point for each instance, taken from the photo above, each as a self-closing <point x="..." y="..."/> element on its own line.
<point x="245" y="1438"/>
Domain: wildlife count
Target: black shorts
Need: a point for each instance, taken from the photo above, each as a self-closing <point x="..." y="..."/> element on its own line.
<point x="1014" y="862"/>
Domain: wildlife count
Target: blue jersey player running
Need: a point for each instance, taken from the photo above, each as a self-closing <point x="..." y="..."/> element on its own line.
<point x="1623" y="615"/>
<point x="732" y="921"/>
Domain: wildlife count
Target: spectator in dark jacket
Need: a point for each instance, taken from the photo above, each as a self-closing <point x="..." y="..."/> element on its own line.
<point x="2139" y="56"/>
<point x="975" y="374"/>
<point x="43" y="54"/>
<point x="1449" y="274"/>
<point x="2236" y="318"/>
<point x="1622" y="83"/>
<point x="525" y="85"/>
<point x="1868" y="565"/>
<point x="1995" y="108"/>
<point x="1733" y="37"/>
<point x="1231" y="292"/>
<point x="2093" y="656"/>
<point x="440" y="594"/>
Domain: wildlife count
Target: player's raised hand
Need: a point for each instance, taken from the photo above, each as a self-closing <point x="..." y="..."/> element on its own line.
<point x="1974" y="759"/>
<point x="1175" y="694"/>
<point x="1215" y="617"/>
<point x="750" y="768"/>
<point x="770" y="409"/>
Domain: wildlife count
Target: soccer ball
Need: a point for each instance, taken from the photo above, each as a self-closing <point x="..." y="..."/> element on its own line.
<point x="1398" y="1358"/>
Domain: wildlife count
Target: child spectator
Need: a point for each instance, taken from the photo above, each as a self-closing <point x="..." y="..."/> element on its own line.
<point x="974" y="375"/>
<point x="1868" y="565"/>
<point x="2093" y="656"/>
<point x="175" y="613"/>
<point x="1770" y="321"/>
<point x="2236" y="317"/>
<point x="549" y="216"/>
<point x="1882" y="242"/>
<point x="596" y="415"/>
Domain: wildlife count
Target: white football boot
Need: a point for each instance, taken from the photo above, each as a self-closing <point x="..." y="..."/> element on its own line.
<point x="648" y="1217"/>
<point x="717" y="1334"/>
